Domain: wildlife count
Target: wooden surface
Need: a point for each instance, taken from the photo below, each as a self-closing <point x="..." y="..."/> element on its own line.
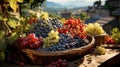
<point x="112" y="62"/>
<point x="92" y="60"/>
<point x="89" y="60"/>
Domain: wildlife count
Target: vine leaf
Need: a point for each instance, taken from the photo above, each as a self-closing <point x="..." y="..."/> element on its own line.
<point x="20" y="1"/>
<point x="12" y="23"/>
<point x="1" y="17"/>
<point x="11" y="38"/>
<point x="5" y="19"/>
<point x="2" y="34"/>
<point x="2" y="55"/>
<point x="2" y="40"/>
<point x="13" y="4"/>
<point x="3" y="44"/>
<point x="18" y="29"/>
<point x="25" y="25"/>
<point x="31" y="1"/>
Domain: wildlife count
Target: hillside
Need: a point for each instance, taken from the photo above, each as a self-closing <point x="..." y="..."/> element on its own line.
<point x="53" y="5"/>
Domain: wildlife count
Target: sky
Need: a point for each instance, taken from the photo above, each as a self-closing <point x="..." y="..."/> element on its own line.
<point x="76" y="2"/>
<point x="63" y="1"/>
<point x="60" y="1"/>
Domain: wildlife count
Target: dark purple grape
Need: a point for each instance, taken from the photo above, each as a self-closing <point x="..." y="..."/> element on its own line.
<point x="66" y="42"/>
<point x="42" y="28"/>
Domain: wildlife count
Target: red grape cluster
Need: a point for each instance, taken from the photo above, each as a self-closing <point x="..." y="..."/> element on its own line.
<point x="63" y="30"/>
<point x="30" y="41"/>
<point x="17" y="60"/>
<point x="59" y="63"/>
<point x="75" y="27"/>
<point x="109" y="40"/>
<point x="32" y="20"/>
<point x="16" y="57"/>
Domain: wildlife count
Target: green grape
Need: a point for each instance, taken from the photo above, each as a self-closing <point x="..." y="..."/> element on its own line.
<point x="94" y="29"/>
<point x="45" y="16"/>
<point x="100" y="50"/>
<point x="116" y="35"/>
<point x="52" y="38"/>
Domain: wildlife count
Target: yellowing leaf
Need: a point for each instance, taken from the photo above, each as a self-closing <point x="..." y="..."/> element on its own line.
<point x="12" y="23"/>
<point x="5" y="19"/>
<point x="20" y="1"/>
<point x="13" y="4"/>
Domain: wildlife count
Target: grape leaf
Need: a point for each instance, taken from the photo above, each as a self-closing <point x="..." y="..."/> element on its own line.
<point x="20" y="1"/>
<point x="2" y="44"/>
<point x="2" y="33"/>
<point x="5" y="19"/>
<point x="18" y="29"/>
<point x="6" y="1"/>
<point x="12" y="23"/>
<point x="13" y="4"/>
<point x="2" y="55"/>
<point x="1" y="17"/>
<point x="31" y="1"/>
<point x="27" y="28"/>
<point x="25" y="24"/>
<point x="12" y="38"/>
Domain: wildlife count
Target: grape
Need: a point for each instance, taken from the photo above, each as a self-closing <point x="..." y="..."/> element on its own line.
<point x="100" y="50"/>
<point x="109" y="40"/>
<point x="70" y="34"/>
<point x="115" y="35"/>
<point x="59" y="63"/>
<point x="21" y="63"/>
<point x="32" y="20"/>
<point x="74" y="27"/>
<point x="14" y="56"/>
<point x="94" y="29"/>
<point x="52" y="38"/>
<point x="55" y="23"/>
<point x="45" y="16"/>
<point x="42" y="28"/>
<point x="30" y="41"/>
<point x="65" y="42"/>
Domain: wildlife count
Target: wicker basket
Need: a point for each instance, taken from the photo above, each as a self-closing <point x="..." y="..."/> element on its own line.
<point x="38" y="57"/>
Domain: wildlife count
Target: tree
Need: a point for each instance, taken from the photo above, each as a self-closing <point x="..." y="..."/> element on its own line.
<point x="97" y="3"/>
